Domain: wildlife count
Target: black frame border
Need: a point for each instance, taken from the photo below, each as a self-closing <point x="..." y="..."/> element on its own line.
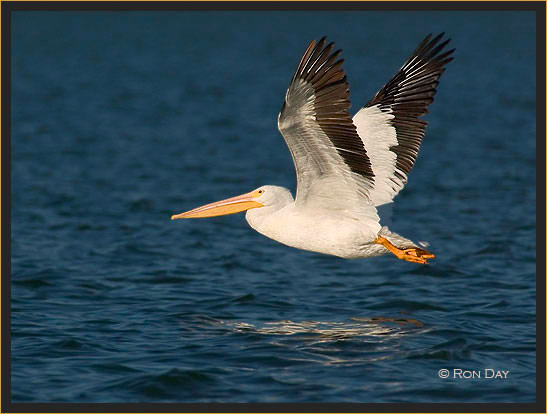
<point x="8" y="7"/>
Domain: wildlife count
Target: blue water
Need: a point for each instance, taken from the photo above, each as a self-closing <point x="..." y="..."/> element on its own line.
<point x="120" y="120"/>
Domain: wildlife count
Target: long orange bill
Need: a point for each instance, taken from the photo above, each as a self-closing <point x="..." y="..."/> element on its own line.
<point x="221" y="208"/>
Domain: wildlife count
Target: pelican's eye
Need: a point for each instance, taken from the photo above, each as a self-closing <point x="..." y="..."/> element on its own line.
<point x="260" y="191"/>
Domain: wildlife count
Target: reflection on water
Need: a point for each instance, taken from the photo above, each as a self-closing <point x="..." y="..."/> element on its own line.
<point x="328" y="331"/>
<point x="358" y="341"/>
<point x="399" y="321"/>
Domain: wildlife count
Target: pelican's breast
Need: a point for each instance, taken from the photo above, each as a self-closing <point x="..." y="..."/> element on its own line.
<point x="322" y="231"/>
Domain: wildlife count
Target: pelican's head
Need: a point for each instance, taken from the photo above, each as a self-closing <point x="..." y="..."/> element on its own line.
<point x="265" y="196"/>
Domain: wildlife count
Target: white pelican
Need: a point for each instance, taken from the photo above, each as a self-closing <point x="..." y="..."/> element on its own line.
<point x="345" y="168"/>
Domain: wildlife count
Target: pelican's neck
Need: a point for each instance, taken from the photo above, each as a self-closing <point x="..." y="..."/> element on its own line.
<point x="257" y="217"/>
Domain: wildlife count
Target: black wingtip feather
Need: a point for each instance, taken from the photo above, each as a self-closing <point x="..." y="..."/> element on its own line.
<point x="320" y="68"/>
<point x="409" y="93"/>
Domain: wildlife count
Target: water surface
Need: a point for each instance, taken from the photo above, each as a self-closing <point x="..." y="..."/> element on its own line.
<point x="120" y="120"/>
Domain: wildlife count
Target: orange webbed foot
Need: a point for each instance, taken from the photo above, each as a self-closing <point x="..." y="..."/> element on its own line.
<point x="413" y="254"/>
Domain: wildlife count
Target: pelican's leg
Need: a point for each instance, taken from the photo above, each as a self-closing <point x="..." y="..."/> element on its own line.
<point x="413" y="254"/>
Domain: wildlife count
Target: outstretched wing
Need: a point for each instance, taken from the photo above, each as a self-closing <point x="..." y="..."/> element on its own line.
<point x="330" y="159"/>
<point x="389" y="124"/>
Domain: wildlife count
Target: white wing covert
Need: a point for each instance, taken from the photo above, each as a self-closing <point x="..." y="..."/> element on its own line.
<point x="330" y="159"/>
<point x="389" y="124"/>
